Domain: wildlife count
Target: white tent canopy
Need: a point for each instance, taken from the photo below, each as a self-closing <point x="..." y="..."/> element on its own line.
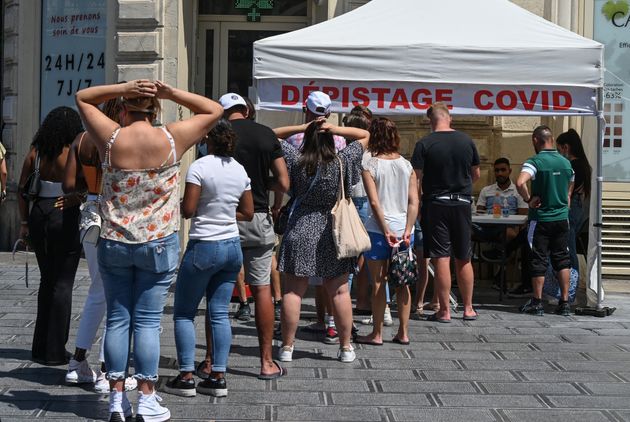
<point x="486" y="57"/>
<point x="397" y="56"/>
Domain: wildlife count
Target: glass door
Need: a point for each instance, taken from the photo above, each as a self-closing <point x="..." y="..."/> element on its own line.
<point x="226" y="54"/>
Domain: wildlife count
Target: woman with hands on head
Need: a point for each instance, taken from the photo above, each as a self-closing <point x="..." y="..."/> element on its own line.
<point x="139" y="248"/>
<point x="392" y="191"/>
<point x="51" y="225"/>
<point x="308" y="248"/>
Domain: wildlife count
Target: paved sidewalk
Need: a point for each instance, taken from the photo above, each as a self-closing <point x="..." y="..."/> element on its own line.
<point x="503" y="367"/>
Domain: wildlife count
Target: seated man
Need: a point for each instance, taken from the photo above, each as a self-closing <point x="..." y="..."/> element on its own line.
<point x="504" y="191"/>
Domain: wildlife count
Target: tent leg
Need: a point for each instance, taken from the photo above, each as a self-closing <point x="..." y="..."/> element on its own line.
<point x="600" y="187"/>
<point x="599" y="310"/>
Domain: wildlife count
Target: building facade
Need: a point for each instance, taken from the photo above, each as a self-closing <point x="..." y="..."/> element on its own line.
<point x="206" y="46"/>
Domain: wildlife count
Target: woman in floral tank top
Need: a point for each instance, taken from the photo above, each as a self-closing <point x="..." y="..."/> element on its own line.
<point x="139" y="248"/>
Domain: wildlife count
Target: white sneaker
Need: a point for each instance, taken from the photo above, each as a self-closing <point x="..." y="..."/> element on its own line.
<point x="80" y="372"/>
<point x="368" y="321"/>
<point x="119" y="406"/>
<point x="285" y="354"/>
<point x="387" y="318"/>
<point x="150" y="410"/>
<point x="131" y="383"/>
<point x="346" y="354"/>
<point x="101" y="385"/>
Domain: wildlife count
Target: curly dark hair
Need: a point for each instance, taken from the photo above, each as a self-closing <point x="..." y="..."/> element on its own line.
<point x="57" y="131"/>
<point x="384" y="138"/>
<point x="222" y="139"/>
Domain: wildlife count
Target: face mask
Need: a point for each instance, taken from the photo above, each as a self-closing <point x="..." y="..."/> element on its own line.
<point x="202" y="149"/>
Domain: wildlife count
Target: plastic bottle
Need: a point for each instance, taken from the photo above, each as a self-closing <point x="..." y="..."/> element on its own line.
<point x="496" y="206"/>
<point x="506" y="207"/>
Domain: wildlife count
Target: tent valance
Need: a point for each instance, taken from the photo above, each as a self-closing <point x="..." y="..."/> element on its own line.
<point x="399" y="56"/>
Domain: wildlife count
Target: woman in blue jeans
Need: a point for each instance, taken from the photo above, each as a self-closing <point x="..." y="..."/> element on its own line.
<point x="217" y="194"/>
<point x="139" y="247"/>
<point x="570" y="146"/>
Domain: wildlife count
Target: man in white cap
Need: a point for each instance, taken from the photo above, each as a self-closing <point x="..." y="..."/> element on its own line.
<point x="317" y="105"/>
<point x="259" y="151"/>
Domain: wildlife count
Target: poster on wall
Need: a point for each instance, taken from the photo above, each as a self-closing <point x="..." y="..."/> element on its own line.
<point x="73" y="50"/>
<point x="612" y="28"/>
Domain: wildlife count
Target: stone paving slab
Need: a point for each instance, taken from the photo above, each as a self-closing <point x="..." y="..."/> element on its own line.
<point x="503" y="367"/>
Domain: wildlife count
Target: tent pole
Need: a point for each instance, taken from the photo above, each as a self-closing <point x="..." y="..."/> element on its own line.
<point x="600" y="186"/>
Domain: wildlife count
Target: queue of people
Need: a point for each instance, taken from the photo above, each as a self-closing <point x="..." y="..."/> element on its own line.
<point x="131" y="170"/>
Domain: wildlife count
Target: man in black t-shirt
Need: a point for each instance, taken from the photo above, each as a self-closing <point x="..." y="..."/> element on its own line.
<point x="447" y="164"/>
<point x="259" y="151"/>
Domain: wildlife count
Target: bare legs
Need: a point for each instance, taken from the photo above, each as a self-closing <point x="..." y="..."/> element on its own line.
<point x="563" y="281"/>
<point x="337" y="290"/>
<point x="362" y="282"/>
<point x="465" y="281"/>
<point x="264" y="318"/>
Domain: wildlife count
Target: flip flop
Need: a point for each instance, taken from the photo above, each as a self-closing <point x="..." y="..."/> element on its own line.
<point x="471" y="317"/>
<point x="398" y="341"/>
<point x="282" y="372"/>
<point x="358" y="340"/>
<point x="434" y="318"/>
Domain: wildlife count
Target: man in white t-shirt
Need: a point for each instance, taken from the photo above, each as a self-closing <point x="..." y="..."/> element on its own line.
<point x="508" y="196"/>
<point x="505" y="188"/>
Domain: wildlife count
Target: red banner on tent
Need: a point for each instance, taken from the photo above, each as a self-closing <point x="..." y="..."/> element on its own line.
<point x="414" y="98"/>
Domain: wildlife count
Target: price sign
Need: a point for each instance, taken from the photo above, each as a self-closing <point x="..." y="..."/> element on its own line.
<point x="73" y="50"/>
<point x="611" y="28"/>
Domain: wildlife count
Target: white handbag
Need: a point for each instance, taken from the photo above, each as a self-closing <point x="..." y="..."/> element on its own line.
<point x="351" y="238"/>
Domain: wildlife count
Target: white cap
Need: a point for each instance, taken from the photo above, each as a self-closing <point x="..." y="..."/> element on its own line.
<point x="230" y="100"/>
<point x="318" y="103"/>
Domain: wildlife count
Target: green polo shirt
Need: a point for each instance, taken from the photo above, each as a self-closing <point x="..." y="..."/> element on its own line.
<point x="551" y="176"/>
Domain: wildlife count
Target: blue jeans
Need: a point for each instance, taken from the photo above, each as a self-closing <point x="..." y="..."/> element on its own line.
<point x="136" y="278"/>
<point x="576" y="219"/>
<point x="209" y="267"/>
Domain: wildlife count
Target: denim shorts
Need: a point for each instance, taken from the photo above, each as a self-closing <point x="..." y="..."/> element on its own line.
<point x="362" y="204"/>
<point x="380" y="248"/>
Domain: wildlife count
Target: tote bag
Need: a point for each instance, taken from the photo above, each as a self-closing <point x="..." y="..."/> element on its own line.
<point x="351" y="238"/>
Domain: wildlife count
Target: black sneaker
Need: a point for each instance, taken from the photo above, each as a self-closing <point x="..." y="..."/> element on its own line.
<point x="213" y="387"/>
<point x="276" y="310"/>
<point x="563" y="309"/>
<point x="532" y="308"/>
<point x="244" y="312"/>
<point x="520" y="291"/>
<point x="181" y="387"/>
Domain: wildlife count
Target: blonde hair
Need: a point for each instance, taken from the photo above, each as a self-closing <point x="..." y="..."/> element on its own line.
<point x="437" y="110"/>
<point x="147" y="105"/>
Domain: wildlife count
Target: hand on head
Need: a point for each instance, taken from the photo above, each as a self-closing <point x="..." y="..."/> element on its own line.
<point x="323" y="125"/>
<point x="140" y="88"/>
<point x="164" y="90"/>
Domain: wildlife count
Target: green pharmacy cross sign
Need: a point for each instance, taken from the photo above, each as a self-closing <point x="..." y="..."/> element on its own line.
<point x="254" y="5"/>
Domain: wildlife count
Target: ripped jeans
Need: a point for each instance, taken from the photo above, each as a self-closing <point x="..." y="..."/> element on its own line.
<point x="136" y="278"/>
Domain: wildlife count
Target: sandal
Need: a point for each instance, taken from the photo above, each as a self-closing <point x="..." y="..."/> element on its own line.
<point x="432" y="307"/>
<point x="281" y="372"/>
<point x="471" y="317"/>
